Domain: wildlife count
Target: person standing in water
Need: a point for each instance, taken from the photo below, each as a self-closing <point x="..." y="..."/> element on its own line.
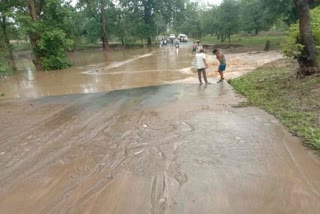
<point x="194" y="48"/>
<point x="201" y="66"/>
<point x="223" y="65"/>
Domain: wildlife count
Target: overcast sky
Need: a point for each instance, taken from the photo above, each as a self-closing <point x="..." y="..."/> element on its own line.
<point x="216" y="2"/>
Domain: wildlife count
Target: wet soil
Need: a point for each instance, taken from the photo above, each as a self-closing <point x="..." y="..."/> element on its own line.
<point x="168" y="148"/>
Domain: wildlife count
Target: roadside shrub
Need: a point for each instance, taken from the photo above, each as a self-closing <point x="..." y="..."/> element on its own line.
<point x="52" y="48"/>
<point x="291" y="47"/>
<point x="4" y="69"/>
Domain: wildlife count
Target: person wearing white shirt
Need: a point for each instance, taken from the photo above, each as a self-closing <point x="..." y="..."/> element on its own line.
<point x="201" y="66"/>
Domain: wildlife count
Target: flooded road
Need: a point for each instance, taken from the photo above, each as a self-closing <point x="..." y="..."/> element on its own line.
<point x="98" y="71"/>
<point x="170" y="148"/>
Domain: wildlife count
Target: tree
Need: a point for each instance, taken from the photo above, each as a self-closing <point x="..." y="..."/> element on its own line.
<point x="227" y="18"/>
<point x="208" y="21"/>
<point x="307" y="60"/>
<point x="253" y="16"/>
<point x="7" y="27"/>
<point x="48" y="26"/>
<point x="284" y="10"/>
<point x="146" y="10"/>
<point x="145" y="13"/>
<point x="292" y="47"/>
<point x="99" y="18"/>
<point x="33" y="34"/>
<point x="190" y="22"/>
<point x="105" y="43"/>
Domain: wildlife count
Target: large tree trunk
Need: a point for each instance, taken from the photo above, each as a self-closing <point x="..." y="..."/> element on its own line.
<point x="149" y="41"/>
<point x="308" y="59"/>
<point x="148" y="20"/>
<point x="34" y="36"/>
<point x="7" y="42"/>
<point x="105" y="43"/>
<point x="256" y="27"/>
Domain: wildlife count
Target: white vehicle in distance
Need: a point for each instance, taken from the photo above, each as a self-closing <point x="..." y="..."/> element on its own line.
<point x="183" y="37"/>
<point x="172" y="36"/>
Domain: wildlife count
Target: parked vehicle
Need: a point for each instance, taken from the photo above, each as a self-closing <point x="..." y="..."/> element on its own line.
<point x="172" y="36"/>
<point x="183" y="37"/>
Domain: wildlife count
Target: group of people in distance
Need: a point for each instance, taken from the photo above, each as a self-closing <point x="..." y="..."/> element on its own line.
<point x="202" y="64"/>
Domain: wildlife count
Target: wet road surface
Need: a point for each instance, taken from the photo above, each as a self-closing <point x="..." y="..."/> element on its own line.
<point x="178" y="148"/>
<point x="174" y="148"/>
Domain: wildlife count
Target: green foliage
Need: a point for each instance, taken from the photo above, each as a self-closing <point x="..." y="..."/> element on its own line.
<point x="190" y="21"/>
<point x="228" y="19"/>
<point x="284" y="10"/>
<point x="292" y="101"/>
<point x="53" y="30"/>
<point x="208" y="21"/>
<point x="253" y="17"/>
<point x="52" y="48"/>
<point x="5" y="69"/>
<point x="250" y="42"/>
<point x="291" y="47"/>
<point x="144" y="16"/>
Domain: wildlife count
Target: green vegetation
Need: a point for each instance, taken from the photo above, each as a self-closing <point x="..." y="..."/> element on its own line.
<point x="4" y="69"/>
<point x="249" y="41"/>
<point x="291" y="47"/>
<point x="295" y="102"/>
<point x="52" y="48"/>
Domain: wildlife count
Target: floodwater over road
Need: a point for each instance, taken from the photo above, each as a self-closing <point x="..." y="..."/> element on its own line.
<point x="168" y="148"/>
<point x="96" y="71"/>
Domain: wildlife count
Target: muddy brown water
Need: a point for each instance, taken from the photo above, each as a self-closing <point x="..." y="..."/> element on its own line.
<point x="177" y="147"/>
<point x="96" y="71"/>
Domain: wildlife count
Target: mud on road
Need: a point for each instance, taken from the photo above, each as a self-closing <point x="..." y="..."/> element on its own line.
<point x="180" y="148"/>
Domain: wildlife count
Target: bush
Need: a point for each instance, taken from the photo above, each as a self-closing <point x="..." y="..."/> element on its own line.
<point x="291" y="48"/>
<point x="4" y="69"/>
<point x="52" y="48"/>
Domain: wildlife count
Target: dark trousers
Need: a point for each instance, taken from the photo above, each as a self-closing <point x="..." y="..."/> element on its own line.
<point x="203" y="70"/>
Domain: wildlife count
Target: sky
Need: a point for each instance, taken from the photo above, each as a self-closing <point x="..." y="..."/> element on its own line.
<point x="216" y="2"/>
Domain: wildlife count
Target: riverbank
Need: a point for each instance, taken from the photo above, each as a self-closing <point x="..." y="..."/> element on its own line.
<point x="294" y="102"/>
<point x="245" y="43"/>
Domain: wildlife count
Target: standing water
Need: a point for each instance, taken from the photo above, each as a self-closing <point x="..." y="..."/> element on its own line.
<point x="98" y="71"/>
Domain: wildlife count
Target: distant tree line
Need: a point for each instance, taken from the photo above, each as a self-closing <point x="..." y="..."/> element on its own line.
<point x="54" y="27"/>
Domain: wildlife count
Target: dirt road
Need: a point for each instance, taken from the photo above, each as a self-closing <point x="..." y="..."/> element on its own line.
<point x="174" y="148"/>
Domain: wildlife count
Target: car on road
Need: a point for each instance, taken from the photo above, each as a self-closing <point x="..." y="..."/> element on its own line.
<point x="172" y="36"/>
<point x="183" y="37"/>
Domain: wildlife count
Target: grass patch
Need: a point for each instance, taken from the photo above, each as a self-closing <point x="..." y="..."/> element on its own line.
<point x="251" y="42"/>
<point x="296" y="103"/>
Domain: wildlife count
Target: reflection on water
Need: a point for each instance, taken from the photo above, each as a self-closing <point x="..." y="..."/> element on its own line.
<point x="96" y="71"/>
<point x="30" y="74"/>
